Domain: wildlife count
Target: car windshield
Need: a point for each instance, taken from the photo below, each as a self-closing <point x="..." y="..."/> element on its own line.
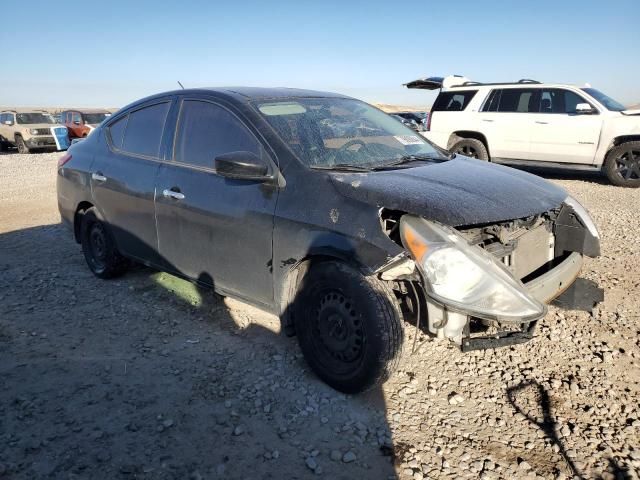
<point x="94" y="118"/>
<point x="608" y="102"/>
<point x="33" y="118"/>
<point x="328" y="132"/>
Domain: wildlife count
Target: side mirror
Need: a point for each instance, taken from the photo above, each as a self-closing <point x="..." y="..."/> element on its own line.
<point x="242" y="166"/>
<point x="584" y="109"/>
<point x="76" y="122"/>
<point x="8" y="122"/>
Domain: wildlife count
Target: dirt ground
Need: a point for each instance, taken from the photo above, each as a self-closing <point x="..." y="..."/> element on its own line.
<point x="146" y="377"/>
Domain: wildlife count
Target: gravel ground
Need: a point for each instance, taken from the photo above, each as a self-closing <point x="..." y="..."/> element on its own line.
<point x="147" y="377"/>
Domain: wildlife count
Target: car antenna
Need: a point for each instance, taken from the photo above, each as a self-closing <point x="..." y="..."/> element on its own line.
<point x="182" y="86"/>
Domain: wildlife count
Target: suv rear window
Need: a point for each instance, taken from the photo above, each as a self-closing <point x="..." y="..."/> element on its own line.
<point x="453" y="101"/>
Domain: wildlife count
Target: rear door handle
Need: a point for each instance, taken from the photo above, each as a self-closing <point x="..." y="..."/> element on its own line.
<point x="542" y="123"/>
<point x="98" y="177"/>
<point x="486" y="120"/>
<point x="173" y="194"/>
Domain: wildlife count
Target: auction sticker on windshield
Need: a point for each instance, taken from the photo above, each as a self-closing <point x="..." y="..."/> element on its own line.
<point x="409" y="140"/>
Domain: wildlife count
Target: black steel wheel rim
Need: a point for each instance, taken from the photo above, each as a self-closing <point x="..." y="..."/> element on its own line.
<point x="97" y="245"/>
<point x="337" y="331"/>
<point x="467" y="151"/>
<point x="628" y="164"/>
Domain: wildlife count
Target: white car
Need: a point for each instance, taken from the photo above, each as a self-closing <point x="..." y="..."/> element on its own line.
<point x="535" y="124"/>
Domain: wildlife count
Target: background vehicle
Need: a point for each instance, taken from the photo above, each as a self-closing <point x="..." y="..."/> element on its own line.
<point x="407" y="122"/>
<point x="326" y="211"/>
<point x="536" y="124"/>
<point x="420" y="118"/>
<point x="31" y="130"/>
<point x="81" y="122"/>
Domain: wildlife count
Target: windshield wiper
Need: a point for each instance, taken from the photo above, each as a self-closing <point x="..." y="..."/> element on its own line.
<point x="409" y="159"/>
<point x="342" y="167"/>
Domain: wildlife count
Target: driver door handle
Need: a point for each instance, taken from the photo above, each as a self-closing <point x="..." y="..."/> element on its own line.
<point x="172" y="194"/>
<point x="487" y="120"/>
<point x="542" y="123"/>
<point x="98" y="177"/>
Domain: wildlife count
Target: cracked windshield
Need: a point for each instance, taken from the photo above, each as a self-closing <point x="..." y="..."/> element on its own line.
<point x="331" y="132"/>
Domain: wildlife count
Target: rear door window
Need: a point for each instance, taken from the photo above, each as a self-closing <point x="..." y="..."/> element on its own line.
<point x="453" y="101"/>
<point x="144" y="130"/>
<point x="519" y="100"/>
<point x="206" y="130"/>
<point x="492" y="102"/>
<point x="116" y="131"/>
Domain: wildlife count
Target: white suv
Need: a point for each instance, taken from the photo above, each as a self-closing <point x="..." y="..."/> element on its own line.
<point x="535" y="124"/>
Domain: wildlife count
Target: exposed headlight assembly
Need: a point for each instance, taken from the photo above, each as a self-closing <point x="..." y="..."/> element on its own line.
<point x="465" y="277"/>
<point x="33" y="131"/>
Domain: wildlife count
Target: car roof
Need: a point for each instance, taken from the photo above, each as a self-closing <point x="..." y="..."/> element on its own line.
<point x="474" y="86"/>
<point x="459" y="82"/>
<point x="242" y="94"/>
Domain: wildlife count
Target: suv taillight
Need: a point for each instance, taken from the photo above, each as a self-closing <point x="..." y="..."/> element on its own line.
<point x="64" y="159"/>
<point x="429" y="115"/>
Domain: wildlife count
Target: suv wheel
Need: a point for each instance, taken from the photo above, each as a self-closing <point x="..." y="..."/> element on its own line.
<point x="622" y="165"/>
<point x="99" y="249"/>
<point x="470" y="147"/>
<point x="349" y="326"/>
<point x="22" y="147"/>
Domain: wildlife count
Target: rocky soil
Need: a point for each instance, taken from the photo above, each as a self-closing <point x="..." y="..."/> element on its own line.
<point x="147" y="377"/>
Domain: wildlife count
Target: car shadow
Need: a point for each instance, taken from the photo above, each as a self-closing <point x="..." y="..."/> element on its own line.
<point x="150" y="376"/>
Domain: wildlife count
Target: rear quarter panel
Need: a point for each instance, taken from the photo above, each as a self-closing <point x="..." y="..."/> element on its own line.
<point x="73" y="179"/>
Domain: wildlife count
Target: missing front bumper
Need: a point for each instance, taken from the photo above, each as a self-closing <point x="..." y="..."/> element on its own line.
<point x="455" y="326"/>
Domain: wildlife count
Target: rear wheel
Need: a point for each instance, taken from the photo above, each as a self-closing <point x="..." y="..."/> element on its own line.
<point x="99" y="248"/>
<point x="349" y="327"/>
<point x="470" y="147"/>
<point x="622" y="165"/>
<point x="22" y="147"/>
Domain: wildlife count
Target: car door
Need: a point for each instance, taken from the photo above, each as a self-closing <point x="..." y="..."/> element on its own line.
<point x="559" y="133"/>
<point x="210" y="228"/>
<point x="505" y="122"/>
<point x="123" y="178"/>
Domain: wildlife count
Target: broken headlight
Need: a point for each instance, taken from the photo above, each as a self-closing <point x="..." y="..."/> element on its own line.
<point x="464" y="276"/>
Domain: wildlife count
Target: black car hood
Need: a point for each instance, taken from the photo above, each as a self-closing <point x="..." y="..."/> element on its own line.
<point x="457" y="192"/>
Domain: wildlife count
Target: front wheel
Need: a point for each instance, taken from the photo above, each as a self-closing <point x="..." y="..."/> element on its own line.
<point x="99" y="248"/>
<point x="472" y="148"/>
<point x="349" y="326"/>
<point x="622" y="165"/>
<point x="22" y="147"/>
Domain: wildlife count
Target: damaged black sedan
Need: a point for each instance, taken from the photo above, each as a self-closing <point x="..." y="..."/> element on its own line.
<point x="328" y="212"/>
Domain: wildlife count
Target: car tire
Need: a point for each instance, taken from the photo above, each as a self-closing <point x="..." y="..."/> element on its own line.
<point x="470" y="147"/>
<point x="349" y="326"/>
<point x="22" y="147"/>
<point x="99" y="248"/>
<point x="622" y="165"/>
<point x="4" y="146"/>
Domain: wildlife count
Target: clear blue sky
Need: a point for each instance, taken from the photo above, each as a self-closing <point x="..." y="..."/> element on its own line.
<point x="109" y="53"/>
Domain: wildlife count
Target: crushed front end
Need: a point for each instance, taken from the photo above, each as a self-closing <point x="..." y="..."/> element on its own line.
<point x="484" y="286"/>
